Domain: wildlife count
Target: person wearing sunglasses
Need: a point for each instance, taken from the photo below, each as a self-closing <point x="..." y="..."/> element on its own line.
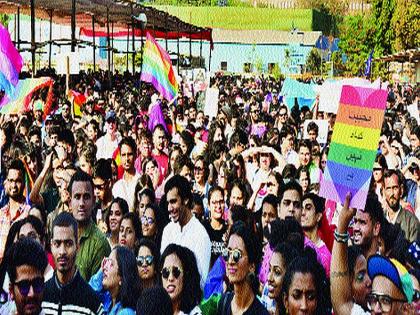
<point x="181" y="279"/>
<point x="26" y="265"/>
<point x="121" y="280"/>
<point x="147" y="263"/>
<point x="242" y="257"/>
<point x="153" y="222"/>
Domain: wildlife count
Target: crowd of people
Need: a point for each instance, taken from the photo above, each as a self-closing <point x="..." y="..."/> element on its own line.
<point x="146" y="207"/>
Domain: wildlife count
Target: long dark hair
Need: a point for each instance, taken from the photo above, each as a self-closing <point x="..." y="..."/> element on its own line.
<point x="252" y="247"/>
<point x="161" y="220"/>
<point x="191" y="291"/>
<point x="153" y="247"/>
<point x="130" y="280"/>
<point x="308" y="264"/>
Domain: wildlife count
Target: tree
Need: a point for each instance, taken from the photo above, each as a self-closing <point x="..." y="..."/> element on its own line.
<point x="382" y="11"/>
<point x="313" y="61"/>
<point x="406" y="24"/>
<point x="357" y="41"/>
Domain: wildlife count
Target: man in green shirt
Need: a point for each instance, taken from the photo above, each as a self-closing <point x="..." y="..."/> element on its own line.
<point x="93" y="243"/>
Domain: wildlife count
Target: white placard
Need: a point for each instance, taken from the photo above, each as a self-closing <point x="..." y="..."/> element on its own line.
<point x="211" y="105"/>
<point x="413" y="109"/>
<point x="74" y="63"/>
<point x="322" y="131"/>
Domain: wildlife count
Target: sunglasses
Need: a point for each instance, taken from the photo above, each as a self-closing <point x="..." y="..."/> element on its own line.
<point x="270" y="184"/>
<point x="198" y="169"/>
<point x="176" y="272"/>
<point x="145" y="259"/>
<point x="147" y="220"/>
<point x="24" y="286"/>
<point x="99" y="187"/>
<point x="235" y="254"/>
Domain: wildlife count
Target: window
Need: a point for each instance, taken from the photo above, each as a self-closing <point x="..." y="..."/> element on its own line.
<point x="247" y="67"/>
<point x="223" y="66"/>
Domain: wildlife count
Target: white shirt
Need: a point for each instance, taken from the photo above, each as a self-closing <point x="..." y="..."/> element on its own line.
<point x="358" y="310"/>
<point x="106" y="147"/>
<point x="193" y="236"/>
<point x="126" y="189"/>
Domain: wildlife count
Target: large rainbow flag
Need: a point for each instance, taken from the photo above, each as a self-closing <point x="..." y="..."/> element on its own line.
<point x="354" y="145"/>
<point x="20" y="100"/>
<point x="11" y="62"/>
<point x="158" y="70"/>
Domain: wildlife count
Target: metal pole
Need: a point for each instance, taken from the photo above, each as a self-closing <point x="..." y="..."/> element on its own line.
<point x="201" y="48"/>
<point x="128" y="46"/>
<point x="50" y="51"/>
<point x="141" y="51"/>
<point x="166" y="32"/>
<point x="112" y="46"/>
<point x="108" y="46"/>
<point x="177" y="46"/>
<point x="18" y="28"/>
<point x="133" y="44"/>
<point x="73" y="26"/>
<point x="190" y="49"/>
<point x="33" y="48"/>
<point x="94" y="43"/>
<point x="210" y="59"/>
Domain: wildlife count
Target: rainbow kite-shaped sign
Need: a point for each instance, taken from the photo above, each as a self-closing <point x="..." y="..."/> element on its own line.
<point x="354" y="145"/>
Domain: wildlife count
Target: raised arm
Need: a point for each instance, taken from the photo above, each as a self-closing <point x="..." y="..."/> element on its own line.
<point x="35" y="195"/>
<point x="341" y="295"/>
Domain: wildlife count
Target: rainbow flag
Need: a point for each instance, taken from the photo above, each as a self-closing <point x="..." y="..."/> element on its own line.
<point x="20" y="101"/>
<point x="29" y="183"/>
<point x="78" y="100"/>
<point x="158" y="70"/>
<point x="11" y="62"/>
<point x="354" y="145"/>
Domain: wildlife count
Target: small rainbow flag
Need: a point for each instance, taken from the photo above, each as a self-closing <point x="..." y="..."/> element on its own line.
<point x="29" y="183"/>
<point x="158" y="70"/>
<point x="354" y="145"/>
<point x="78" y="100"/>
<point x="11" y="62"/>
<point x="21" y="99"/>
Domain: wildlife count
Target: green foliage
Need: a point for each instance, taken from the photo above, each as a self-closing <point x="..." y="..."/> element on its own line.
<point x="382" y="11"/>
<point x="276" y="72"/>
<point x="4" y="20"/>
<point x="357" y="40"/>
<point x="243" y="18"/>
<point x="313" y="62"/>
<point x="406" y="25"/>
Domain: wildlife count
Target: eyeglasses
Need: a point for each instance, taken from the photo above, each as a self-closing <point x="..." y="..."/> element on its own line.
<point x="176" y="272"/>
<point x="270" y="184"/>
<point x="283" y="115"/>
<point x="145" y="259"/>
<point x="385" y="302"/>
<point x="236" y="254"/>
<point x="24" y="286"/>
<point x="147" y="220"/>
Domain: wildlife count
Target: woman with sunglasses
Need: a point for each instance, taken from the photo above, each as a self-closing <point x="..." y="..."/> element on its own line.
<point x="181" y="279"/>
<point x="113" y="218"/>
<point x="121" y="280"/>
<point x="153" y="222"/>
<point x="242" y="257"/>
<point x="147" y="263"/>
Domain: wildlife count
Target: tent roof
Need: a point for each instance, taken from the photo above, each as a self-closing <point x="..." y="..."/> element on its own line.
<point x="120" y="13"/>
